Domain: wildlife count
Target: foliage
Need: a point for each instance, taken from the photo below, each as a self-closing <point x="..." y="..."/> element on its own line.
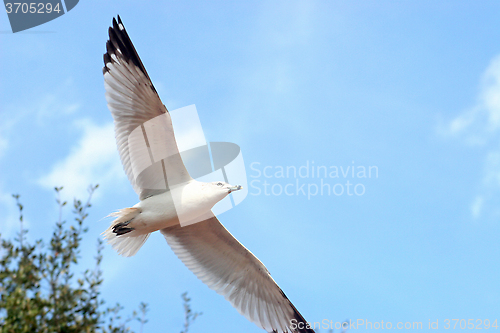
<point x="189" y="315"/>
<point x="39" y="291"/>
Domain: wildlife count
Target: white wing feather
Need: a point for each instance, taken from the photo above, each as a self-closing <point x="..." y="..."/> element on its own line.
<point x="143" y="128"/>
<point x="217" y="258"/>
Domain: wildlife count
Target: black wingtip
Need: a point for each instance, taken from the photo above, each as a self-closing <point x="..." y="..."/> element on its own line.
<point x="302" y="326"/>
<point x="120" y="40"/>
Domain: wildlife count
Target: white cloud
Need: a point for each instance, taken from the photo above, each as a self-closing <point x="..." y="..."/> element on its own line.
<point x="40" y="108"/>
<point x="477" y="206"/>
<point x="8" y="121"/>
<point x="94" y="159"/>
<point x="55" y="103"/>
<point x="490" y="96"/>
<point x="480" y="125"/>
<point x="492" y="169"/>
<point x="4" y="144"/>
<point x="490" y="187"/>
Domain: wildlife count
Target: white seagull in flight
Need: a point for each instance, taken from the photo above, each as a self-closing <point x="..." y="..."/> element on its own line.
<point x="167" y="191"/>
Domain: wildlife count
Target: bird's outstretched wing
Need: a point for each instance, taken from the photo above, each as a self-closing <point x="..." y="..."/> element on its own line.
<point x="209" y="250"/>
<point x="143" y="128"/>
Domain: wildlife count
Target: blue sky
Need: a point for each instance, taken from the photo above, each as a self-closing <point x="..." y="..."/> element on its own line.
<point x="410" y="88"/>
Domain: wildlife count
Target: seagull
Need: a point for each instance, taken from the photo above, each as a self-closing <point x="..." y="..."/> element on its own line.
<point x="176" y="204"/>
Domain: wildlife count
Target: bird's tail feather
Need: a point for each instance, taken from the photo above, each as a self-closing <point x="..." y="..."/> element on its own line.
<point x="120" y="236"/>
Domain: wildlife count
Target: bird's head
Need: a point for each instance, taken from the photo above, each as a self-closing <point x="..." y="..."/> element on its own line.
<point x="219" y="190"/>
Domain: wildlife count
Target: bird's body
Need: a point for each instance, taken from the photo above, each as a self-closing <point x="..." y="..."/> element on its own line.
<point x="156" y="212"/>
<point x="174" y="203"/>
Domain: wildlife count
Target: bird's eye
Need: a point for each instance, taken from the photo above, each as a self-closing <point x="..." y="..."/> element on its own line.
<point x="219" y="184"/>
